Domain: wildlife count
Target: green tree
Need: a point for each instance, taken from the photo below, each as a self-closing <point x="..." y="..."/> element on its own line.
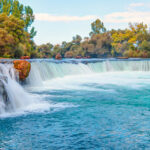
<point x="97" y="27"/>
<point x="69" y="54"/>
<point x="15" y="20"/>
<point x="15" y="8"/>
<point x="45" y="50"/>
<point x="145" y="45"/>
<point x="6" y="43"/>
<point x="13" y="36"/>
<point x="77" y="39"/>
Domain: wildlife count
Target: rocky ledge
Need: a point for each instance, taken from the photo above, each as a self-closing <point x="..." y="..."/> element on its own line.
<point x="23" y="67"/>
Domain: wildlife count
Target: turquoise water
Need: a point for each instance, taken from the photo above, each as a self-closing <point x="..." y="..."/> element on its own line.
<point x="90" y="106"/>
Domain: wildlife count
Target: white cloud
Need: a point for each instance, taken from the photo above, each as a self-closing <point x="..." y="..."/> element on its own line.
<point x="128" y="16"/>
<point x="131" y="15"/>
<point x="54" y="18"/>
<point x="136" y="5"/>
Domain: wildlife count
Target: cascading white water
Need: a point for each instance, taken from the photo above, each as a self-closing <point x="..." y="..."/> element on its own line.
<point x="43" y="71"/>
<point x="13" y="97"/>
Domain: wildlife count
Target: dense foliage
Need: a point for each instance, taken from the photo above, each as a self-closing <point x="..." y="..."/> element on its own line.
<point x="131" y="42"/>
<point x="15" y="22"/>
<point x="16" y="38"/>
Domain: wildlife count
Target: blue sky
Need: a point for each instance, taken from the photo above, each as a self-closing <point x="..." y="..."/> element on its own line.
<point x="60" y="20"/>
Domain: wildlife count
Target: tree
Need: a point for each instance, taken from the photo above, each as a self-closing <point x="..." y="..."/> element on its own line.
<point x="65" y="47"/>
<point x="25" y="13"/>
<point x="77" y="39"/>
<point x="145" y="45"/>
<point x="45" y="50"/>
<point x="97" y="27"/>
<point x="131" y="40"/>
<point x="56" y="50"/>
<point x="69" y="54"/>
<point x="102" y="45"/>
<point x="6" y="43"/>
<point x="15" y="20"/>
<point x="19" y="51"/>
<point x="13" y="36"/>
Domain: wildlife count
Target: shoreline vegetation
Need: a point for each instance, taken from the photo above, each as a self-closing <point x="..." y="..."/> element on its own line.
<point x="17" y="38"/>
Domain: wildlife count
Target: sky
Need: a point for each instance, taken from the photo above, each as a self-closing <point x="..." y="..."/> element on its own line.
<point x="60" y="20"/>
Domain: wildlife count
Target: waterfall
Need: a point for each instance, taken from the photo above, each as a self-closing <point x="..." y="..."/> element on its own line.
<point x="13" y="98"/>
<point x="55" y="74"/>
<point x="47" y="70"/>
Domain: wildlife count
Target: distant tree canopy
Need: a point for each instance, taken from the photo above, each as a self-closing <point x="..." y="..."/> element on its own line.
<point x="98" y="45"/>
<point x="131" y="42"/>
<point x="45" y="50"/>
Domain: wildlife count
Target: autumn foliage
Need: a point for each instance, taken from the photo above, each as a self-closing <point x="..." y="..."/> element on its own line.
<point x="131" y="42"/>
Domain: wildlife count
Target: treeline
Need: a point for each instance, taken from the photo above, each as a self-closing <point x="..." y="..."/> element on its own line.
<point x="17" y="33"/>
<point x="131" y="42"/>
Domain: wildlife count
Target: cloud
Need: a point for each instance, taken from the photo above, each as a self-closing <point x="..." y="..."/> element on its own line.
<point x="131" y="15"/>
<point x="136" y="5"/>
<point x="128" y="16"/>
<point x="54" y="18"/>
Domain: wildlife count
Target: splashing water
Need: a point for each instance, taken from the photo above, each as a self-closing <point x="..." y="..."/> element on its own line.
<point x="47" y="75"/>
<point x="17" y="99"/>
<point x="98" y="104"/>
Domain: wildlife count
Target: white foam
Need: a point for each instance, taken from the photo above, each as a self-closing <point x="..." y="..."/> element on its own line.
<point x="48" y="76"/>
<point x="20" y="101"/>
<point x="95" y="81"/>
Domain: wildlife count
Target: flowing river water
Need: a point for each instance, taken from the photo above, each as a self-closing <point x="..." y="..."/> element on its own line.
<point x="77" y="104"/>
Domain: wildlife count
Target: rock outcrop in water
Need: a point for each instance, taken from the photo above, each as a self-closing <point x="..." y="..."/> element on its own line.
<point x="58" y="56"/>
<point x="25" y="57"/>
<point x="23" y="67"/>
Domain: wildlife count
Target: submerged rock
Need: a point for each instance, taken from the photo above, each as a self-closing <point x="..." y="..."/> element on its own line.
<point x="23" y="67"/>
